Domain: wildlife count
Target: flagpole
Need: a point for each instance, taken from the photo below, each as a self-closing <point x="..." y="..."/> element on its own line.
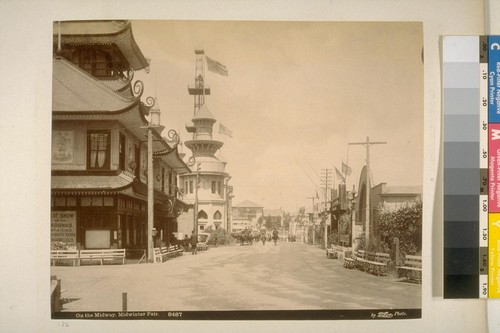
<point x="203" y="75"/>
<point x="347" y="163"/>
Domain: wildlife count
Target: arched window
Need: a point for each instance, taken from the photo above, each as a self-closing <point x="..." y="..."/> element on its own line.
<point x="217" y="215"/>
<point x="202" y="215"/>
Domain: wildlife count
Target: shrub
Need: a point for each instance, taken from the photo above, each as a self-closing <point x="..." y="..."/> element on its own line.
<point x="219" y="237"/>
<point x="405" y="223"/>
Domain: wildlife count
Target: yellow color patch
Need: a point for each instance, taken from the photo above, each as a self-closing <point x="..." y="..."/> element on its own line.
<point x="494" y="255"/>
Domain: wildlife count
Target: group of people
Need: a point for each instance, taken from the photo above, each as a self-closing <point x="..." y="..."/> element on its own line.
<point x="193" y="240"/>
<point x="274" y="237"/>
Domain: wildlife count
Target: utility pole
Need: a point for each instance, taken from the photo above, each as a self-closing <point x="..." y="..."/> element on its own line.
<point x="314" y="222"/>
<point x="367" y="145"/>
<point x="153" y="123"/>
<point x="325" y="180"/>
<point x="150" y="195"/>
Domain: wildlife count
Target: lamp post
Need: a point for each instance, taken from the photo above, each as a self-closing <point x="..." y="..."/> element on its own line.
<point x="154" y="123"/>
<point x="226" y="207"/>
<point x="196" y="198"/>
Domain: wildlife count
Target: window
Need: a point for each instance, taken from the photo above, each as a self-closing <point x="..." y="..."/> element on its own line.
<point x="94" y="62"/>
<point x="190" y="186"/>
<point x="186" y="187"/>
<point x="213" y="186"/>
<point x="98" y="149"/>
<point x="122" y="152"/>
<point x="217" y="215"/>
<point x="163" y="179"/>
<point x="219" y="187"/>
<point x="137" y="161"/>
<point x="202" y="215"/>
<point x="170" y="183"/>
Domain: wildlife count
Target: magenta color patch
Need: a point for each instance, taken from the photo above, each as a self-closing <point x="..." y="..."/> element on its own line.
<point x="494" y="167"/>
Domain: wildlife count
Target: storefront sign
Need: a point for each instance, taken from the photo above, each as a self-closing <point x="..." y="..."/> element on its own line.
<point x="63" y="228"/>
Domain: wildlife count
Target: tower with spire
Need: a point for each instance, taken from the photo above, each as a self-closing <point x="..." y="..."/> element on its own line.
<point x="209" y="171"/>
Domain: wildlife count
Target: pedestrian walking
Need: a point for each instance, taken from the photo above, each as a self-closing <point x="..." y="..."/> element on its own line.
<point x="194" y="243"/>
<point x="275" y="236"/>
<point x="185" y="243"/>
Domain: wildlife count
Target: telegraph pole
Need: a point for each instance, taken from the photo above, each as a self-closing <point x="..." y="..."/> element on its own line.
<point x="153" y="123"/>
<point x="150" y="195"/>
<point x="314" y="221"/>
<point x="325" y="179"/>
<point x="367" y="145"/>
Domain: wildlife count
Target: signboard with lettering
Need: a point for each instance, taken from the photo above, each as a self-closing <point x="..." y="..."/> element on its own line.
<point x="63" y="228"/>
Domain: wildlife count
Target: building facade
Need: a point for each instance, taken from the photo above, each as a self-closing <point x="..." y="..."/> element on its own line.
<point x="99" y="151"/>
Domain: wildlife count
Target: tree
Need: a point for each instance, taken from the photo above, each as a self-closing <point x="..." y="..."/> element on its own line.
<point x="286" y="220"/>
<point x="405" y="223"/>
<point x="260" y="221"/>
<point x="272" y="222"/>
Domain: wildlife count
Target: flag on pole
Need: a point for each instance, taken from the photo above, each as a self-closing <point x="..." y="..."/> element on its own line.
<point x="216" y="67"/>
<point x="339" y="175"/>
<point x="224" y="130"/>
<point x="346" y="170"/>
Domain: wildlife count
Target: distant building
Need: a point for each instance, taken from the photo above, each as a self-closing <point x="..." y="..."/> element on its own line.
<point x="246" y="214"/>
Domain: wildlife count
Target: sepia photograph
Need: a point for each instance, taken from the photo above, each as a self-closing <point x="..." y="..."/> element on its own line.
<point x="236" y="170"/>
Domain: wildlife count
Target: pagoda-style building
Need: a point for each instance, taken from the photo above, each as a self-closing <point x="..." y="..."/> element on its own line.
<point x="211" y="195"/>
<point x="99" y="146"/>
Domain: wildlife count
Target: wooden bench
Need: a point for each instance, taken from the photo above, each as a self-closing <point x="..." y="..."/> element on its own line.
<point x="360" y="258"/>
<point x="355" y="260"/>
<point x="412" y="268"/>
<point x="174" y="251"/>
<point x="159" y="255"/>
<point x="162" y="254"/>
<point x="377" y="262"/>
<point x="179" y="250"/>
<point x="350" y="260"/>
<point x="62" y="255"/>
<point x="102" y="255"/>
<point x="332" y="252"/>
<point x="202" y="246"/>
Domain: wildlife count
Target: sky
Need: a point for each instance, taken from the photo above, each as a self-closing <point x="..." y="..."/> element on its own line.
<point x="297" y="93"/>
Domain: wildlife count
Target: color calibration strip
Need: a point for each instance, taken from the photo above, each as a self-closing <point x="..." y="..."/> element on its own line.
<point x="463" y="191"/>
<point x="494" y="165"/>
<point x="471" y="103"/>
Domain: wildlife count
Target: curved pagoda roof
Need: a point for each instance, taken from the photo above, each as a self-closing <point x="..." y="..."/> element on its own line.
<point x="103" y="32"/>
<point x="74" y="90"/>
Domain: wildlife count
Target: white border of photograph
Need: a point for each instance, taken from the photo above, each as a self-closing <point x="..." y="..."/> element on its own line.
<point x="25" y="120"/>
